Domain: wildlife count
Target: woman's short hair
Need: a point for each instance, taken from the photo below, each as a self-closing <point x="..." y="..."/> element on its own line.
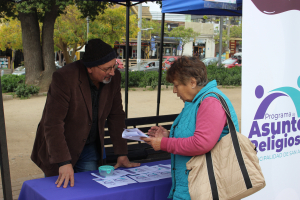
<point x="186" y="67"/>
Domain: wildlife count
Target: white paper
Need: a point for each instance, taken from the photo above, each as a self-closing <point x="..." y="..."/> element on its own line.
<point x="163" y="171"/>
<point x="141" y="178"/>
<point x="168" y="166"/>
<point x="164" y="174"/>
<point x="157" y="168"/>
<point x="142" y="169"/>
<point x="132" y="175"/>
<point x="116" y="182"/>
<point x="133" y="134"/>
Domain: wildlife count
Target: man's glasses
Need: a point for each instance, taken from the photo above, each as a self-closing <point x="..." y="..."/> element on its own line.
<point x="110" y="69"/>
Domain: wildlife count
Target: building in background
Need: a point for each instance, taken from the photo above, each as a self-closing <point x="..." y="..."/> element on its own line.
<point x="120" y="46"/>
<point x="204" y="44"/>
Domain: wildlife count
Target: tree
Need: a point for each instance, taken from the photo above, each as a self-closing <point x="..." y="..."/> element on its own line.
<point x="224" y="38"/>
<point x="186" y="34"/>
<point x="155" y="25"/>
<point x="71" y="33"/>
<point x="11" y="31"/>
<point x="69" y="30"/>
<point x="112" y="24"/>
<point x="236" y="31"/>
<point x="38" y="48"/>
<point x="153" y="28"/>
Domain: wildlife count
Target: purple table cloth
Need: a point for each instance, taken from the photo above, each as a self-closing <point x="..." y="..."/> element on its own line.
<point x="85" y="188"/>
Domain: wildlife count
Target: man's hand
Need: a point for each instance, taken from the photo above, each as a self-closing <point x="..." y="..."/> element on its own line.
<point x="66" y="174"/>
<point x="154" y="142"/>
<point x="158" y="131"/>
<point x="123" y="161"/>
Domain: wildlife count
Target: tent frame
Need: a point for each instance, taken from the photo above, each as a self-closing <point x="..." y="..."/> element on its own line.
<point x="128" y="5"/>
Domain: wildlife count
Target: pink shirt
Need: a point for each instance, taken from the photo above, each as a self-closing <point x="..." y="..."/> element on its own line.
<point x="211" y="119"/>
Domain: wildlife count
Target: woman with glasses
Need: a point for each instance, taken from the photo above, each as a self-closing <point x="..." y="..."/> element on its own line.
<point x="199" y="126"/>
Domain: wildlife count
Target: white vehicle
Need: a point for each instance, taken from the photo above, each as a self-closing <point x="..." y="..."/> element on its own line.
<point x="19" y="71"/>
<point x="146" y="66"/>
<point x="236" y="55"/>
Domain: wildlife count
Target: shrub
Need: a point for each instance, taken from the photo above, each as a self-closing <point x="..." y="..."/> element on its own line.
<point x="149" y="79"/>
<point x="10" y="82"/>
<point x="223" y="76"/>
<point x="25" y="91"/>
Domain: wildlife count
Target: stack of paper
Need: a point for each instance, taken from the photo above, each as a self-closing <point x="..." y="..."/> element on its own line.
<point x="133" y="134"/>
<point x="114" y="182"/>
<point x="133" y="175"/>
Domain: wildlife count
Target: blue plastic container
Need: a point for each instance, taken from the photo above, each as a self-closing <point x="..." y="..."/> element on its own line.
<point x="106" y="170"/>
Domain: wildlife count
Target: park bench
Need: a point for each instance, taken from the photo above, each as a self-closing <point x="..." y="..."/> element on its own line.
<point x="140" y="151"/>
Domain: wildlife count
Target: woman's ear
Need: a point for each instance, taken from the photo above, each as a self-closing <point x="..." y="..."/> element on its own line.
<point x="193" y="82"/>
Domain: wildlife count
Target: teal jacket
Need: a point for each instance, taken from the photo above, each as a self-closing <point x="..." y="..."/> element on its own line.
<point x="184" y="126"/>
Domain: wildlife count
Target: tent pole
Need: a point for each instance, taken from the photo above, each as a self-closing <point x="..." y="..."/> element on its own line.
<point x="160" y="61"/>
<point x="220" y="42"/>
<point x="5" y="174"/>
<point x="127" y="56"/>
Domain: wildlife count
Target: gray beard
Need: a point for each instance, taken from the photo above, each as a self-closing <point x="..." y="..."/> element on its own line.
<point x="105" y="81"/>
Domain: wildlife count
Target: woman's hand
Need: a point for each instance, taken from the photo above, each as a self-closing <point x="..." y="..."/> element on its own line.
<point x="153" y="141"/>
<point x="158" y="131"/>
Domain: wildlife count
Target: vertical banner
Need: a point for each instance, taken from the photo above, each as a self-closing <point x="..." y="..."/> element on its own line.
<point x="271" y="93"/>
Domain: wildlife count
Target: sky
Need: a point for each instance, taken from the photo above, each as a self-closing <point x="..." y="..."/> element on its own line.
<point x="156" y="13"/>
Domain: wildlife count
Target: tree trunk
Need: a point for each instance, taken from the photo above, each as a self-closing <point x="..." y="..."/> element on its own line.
<point x="48" y="47"/>
<point x="66" y="53"/>
<point x="13" y="58"/>
<point x="73" y="52"/>
<point x="31" y="47"/>
<point x="59" y="58"/>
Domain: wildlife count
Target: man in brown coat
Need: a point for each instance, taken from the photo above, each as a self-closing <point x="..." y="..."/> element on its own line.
<point x="81" y="97"/>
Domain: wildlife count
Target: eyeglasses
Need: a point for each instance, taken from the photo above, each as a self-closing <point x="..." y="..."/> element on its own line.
<point x="110" y="69"/>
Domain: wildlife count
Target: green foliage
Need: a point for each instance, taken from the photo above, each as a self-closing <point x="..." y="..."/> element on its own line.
<point x="7" y="9"/>
<point x="15" y="83"/>
<point x="134" y="78"/>
<point x="223" y="76"/>
<point x="143" y="79"/>
<point x="92" y="8"/>
<point x="110" y="26"/>
<point x="149" y="79"/>
<point x="113" y="25"/>
<point x="10" y="82"/>
<point x="236" y="31"/>
<point x="224" y="38"/>
<point x="25" y="91"/>
<point x="11" y="31"/>
<point x="156" y="28"/>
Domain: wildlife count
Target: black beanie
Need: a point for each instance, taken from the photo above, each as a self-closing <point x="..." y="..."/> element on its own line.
<point x="97" y="53"/>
